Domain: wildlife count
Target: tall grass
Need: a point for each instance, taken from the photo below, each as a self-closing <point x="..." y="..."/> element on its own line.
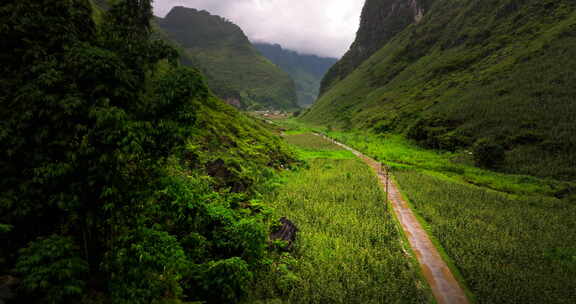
<point x="310" y="146"/>
<point x="509" y="250"/>
<point x="509" y="237"/>
<point x="348" y="247"/>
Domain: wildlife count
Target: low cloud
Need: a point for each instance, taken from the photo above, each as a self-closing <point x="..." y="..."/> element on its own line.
<point x="320" y="27"/>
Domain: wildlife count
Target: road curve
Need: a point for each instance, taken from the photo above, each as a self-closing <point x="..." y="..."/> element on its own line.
<point x="444" y="285"/>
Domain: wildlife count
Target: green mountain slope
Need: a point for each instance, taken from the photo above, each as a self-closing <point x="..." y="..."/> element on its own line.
<point x="306" y="70"/>
<point x="235" y="71"/>
<point x="498" y="72"/>
<point x="381" y="20"/>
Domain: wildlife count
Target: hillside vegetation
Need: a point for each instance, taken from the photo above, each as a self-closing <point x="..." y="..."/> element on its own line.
<point x="381" y="20"/>
<point x="234" y="69"/>
<point x="307" y="71"/>
<point x="124" y="180"/>
<point x="495" y="75"/>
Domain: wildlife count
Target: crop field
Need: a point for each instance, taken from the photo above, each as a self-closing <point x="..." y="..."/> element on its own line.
<point x="509" y="250"/>
<point x="310" y="146"/>
<point x="398" y="152"/>
<point x="508" y="235"/>
<point x="348" y="248"/>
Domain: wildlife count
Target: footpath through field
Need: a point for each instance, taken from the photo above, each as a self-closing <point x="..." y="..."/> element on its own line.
<point x="444" y="285"/>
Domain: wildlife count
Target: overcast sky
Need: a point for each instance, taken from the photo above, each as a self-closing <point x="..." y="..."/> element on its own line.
<point x="320" y="27"/>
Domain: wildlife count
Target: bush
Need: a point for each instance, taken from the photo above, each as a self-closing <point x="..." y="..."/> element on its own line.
<point x="488" y="154"/>
<point x="226" y="281"/>
<point x="52" y="267"/>
<point x="146" y="265"/>
<point x="437" y="133"/>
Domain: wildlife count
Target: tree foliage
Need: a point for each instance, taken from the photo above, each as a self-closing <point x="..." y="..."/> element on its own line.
<point x="53" y="268"/>
<point x="101" y="191"/>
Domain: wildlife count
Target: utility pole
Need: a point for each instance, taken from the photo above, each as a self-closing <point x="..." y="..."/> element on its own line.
<point x="384" y="168"/>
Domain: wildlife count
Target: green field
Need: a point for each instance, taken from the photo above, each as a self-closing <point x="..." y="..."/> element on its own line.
<point x="348" y="249"/>
<point x="508" y="249"/>
<point x="510" y="236"/>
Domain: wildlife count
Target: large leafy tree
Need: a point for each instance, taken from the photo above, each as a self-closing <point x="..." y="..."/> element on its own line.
<point x="82" y="135"/>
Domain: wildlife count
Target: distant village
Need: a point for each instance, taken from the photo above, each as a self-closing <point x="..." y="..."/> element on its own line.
<point x="273" y="113"/>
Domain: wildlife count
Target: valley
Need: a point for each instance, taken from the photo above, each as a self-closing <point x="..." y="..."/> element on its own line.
<point x="287" y="152"/>
<point x="481" y="233"/>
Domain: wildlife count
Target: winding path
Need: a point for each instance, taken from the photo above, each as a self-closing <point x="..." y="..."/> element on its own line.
<point x="444" y="285"/>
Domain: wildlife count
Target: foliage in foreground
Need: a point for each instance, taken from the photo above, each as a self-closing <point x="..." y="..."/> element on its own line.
<point x="124" y="179"/>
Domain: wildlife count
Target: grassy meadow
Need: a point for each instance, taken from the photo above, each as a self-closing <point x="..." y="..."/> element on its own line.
<point x="348" y="248"/>
<point x="510" y="236"/>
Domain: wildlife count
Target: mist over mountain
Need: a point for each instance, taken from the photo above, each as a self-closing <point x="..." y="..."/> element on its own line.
<point x="306" y="70"/>
<point x="322" y="27"/>
<point x="234" y="69"/>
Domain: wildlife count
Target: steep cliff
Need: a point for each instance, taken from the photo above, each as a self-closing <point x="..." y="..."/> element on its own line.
<point x="306" y="70"/>
<point x="498" y="71"/>
<point x="381" y="20"/>
<point x="234" y="69"/>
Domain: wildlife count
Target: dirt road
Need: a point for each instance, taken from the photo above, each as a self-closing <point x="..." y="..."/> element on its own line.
<point x="444" y="285"/>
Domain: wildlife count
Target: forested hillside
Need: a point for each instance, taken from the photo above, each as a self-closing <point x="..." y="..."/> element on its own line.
<point x="234" y="69"/>
<point x="306" y="70"/>
<point x="124" y="180"/>
<point x="493" y="75"/>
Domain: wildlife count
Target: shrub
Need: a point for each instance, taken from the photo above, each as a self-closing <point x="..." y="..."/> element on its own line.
<point x="146" y="265"/>
<point x="488" y="154"/>
<point x="52" y="267"/>
<point x="226" y="281"/>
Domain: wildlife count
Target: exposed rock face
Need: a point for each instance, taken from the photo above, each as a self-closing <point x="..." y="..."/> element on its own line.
<point x="286" y="233"/>
<point x="380" y="21"/>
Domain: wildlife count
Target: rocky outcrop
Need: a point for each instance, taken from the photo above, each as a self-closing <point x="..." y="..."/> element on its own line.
<point x="380" y="21"/>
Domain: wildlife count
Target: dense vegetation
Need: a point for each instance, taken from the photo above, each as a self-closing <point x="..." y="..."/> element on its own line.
<point x="349" y="248"/>
<point x="306" y="70"/>
<point x="123" y="179"/>
<point x="496" y="72"/>
<point x="234" y="69"/>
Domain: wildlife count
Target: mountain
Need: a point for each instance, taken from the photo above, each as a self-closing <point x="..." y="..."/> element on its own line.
<point x="391" y="16"/>
<point x="452" y="75"/>
<point x="306" y="70"/>
<point x="234" y="69"/>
